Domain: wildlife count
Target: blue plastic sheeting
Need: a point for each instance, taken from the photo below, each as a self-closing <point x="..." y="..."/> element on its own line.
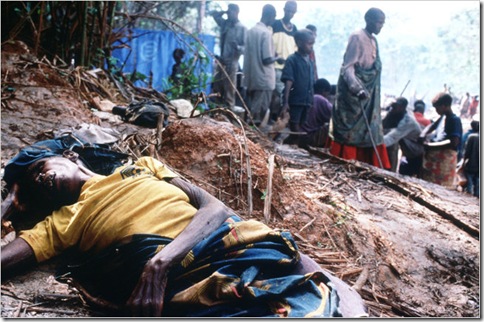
<point x="152" y="52"/>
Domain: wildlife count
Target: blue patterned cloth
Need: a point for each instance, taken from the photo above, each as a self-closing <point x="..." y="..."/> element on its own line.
<point x="243" y="269"/>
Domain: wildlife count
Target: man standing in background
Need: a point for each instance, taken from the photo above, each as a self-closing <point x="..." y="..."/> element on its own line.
<point x="356" y="126"/>
<point x="259" y="71"/>
<point x="284" y="45"/>
<point x="232" y="43"/>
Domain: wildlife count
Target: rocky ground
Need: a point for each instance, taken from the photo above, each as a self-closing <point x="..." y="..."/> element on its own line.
<point x="411" y="248"/>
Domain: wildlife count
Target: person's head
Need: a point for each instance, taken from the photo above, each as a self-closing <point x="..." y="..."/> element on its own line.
<point x="178" y="54"/>
<point x="313" y="29"/>
<point x="419" y="106"/>
<point x="442" y="103"/>
<point x="475" y="125"/>
<point x="322" y="87"/>
<point x="304" y="40"/>
<point x="290" y="9"/>
<point x="233" y="12"/>
<point x="268" y="15"/>
<point x="375" y="19"/>
<point x="400" y="105"/>
<point x="54" y="181"/>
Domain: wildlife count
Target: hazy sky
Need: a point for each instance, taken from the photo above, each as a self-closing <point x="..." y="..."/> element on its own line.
<point x="431" y="13"/>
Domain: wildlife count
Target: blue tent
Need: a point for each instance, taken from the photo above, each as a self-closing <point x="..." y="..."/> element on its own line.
<point x="151" y="52"/>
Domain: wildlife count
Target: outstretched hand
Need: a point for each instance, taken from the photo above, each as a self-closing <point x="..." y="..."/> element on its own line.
<point x="147" y="298"/>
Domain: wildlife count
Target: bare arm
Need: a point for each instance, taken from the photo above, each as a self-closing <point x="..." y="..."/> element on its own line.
<point x="271" y="60"/>
<point x="15" y="255"/>
<point x="11" y="203"/>
<point x="287" y="90"/>
<point x="147" y="297"/>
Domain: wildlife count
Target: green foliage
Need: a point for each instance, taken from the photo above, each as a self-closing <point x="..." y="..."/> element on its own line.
<point x="264" y="195"/>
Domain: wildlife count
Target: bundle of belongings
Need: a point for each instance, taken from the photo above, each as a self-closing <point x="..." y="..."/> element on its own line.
<point x="145" y="113"/>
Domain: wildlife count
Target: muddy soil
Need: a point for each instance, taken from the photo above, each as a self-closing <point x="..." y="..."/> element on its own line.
<point x="408" y="246"/>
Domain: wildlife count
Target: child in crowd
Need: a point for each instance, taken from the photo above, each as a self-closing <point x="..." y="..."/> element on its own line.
<point x="177" y="69"/>
<point x="298" y="78"/>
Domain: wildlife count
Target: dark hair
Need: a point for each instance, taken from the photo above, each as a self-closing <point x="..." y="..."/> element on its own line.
<point x="373" y="14"/>
<point x="233" y="7"/>
<point x="290" y="3"/>
<point x="475" y="126"/>
<point x="321" y="85"/>
<point x="312" y="28"/>
<point x="401" y="101"/>
<point x="302" y="36"/>
<point x="442" y="99"/>
<point x="178" y="52"/>
<point x="268" y="10"/>
<point x="419" y="106"/>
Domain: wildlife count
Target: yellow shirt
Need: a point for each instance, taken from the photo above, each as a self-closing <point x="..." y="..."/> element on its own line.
<point x="133" y="200"/>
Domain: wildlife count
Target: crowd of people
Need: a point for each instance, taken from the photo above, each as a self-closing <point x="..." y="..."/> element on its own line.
<point x="281" y="80"/>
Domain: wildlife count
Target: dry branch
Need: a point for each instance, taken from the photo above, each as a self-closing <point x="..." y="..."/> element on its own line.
<point x="400" y="186"/>
<point x="267" y="201"/>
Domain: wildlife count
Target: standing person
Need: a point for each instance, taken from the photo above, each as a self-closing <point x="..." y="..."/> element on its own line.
<point x="297" y="76"/>
<point x="464" y="105"/>
<point x="441" y="142"/>
<point x="356" y="126"/>
<point x="471" y="162"/>
<point x="399" y="125"/>
<point x="319" y="115"/>
<point x="473" y="106"/>
<point x="259" y="71"/>
<point x="418" y="112"/>
<point x="312" y="56"/>
<point x="232" y="42"/>
<point x="474" y="129"/>
<point x="284" y="45"/>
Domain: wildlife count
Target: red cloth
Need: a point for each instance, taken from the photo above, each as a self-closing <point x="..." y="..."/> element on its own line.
<point x="421" y="119"/>
<point x="367" y="155"/>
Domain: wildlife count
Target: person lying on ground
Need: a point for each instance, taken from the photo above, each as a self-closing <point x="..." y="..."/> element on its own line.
<point x="145" y="242"/>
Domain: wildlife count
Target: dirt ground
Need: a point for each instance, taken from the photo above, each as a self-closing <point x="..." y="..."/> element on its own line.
<point x="411" y="248"/>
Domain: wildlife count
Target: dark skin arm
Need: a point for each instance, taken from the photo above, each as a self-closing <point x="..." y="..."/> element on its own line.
<point x="15" y="255"/>
<point x="271" y="60"/>
<point x="11" y="203"/>
<point x="287" y="90"/>
<point x="148" y="295"/>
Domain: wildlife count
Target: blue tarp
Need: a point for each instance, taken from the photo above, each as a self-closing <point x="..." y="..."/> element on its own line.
<point x="152" y="52"/>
